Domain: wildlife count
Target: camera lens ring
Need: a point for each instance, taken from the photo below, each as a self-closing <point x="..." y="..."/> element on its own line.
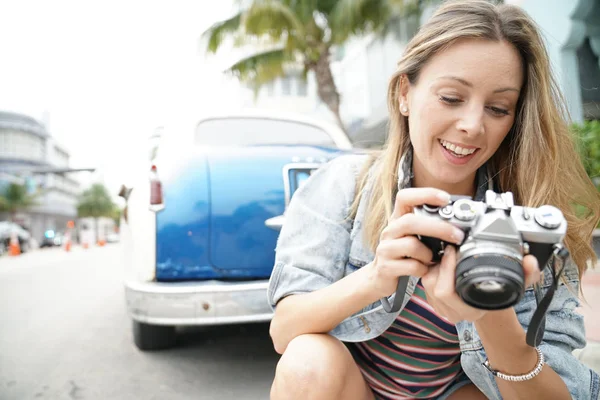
<point x="477" y="274"/>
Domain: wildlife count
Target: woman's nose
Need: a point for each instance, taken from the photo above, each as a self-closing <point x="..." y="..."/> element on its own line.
<point x="471" y="121"/>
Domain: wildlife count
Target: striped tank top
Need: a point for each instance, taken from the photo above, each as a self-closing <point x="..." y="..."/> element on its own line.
<point x="418" y="357"/>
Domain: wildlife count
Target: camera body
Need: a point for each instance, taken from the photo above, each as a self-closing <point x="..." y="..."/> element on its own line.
<point x="498" y="234"/>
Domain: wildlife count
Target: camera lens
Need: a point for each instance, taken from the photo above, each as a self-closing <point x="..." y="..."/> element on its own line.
<point x="490" y="286"/>
<point x="490" y="281"/>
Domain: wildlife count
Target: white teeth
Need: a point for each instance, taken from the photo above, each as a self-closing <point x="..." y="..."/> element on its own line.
<point x="457" y="149"/>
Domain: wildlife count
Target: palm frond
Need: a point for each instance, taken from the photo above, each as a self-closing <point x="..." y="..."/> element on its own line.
<point x="261" y="68"/>
<point x="357" y="17"/>
<point x="218" y="32"/>
<point x="326" y="6"/>
<point x="303" y="9"/>
<point x="274" y="19"/>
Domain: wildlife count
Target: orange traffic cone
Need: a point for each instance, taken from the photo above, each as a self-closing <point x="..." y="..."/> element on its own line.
<point x="14" y="247"/>
<point x="85" y="239"/>
<point x="70" y="226"/>
<point x="68" y="241"/>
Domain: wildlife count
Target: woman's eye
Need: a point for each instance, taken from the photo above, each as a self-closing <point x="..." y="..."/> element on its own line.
<point x="455" y="101"/>
<point x="450" y="100"/>
<point x="499" y="111"/>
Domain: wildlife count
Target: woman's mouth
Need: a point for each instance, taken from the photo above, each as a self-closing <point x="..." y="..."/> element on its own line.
<point x="456" y="154"/>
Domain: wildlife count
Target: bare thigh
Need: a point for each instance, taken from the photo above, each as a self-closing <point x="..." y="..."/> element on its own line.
<point x="318" y="366"/>
<point x="468" y="392"/>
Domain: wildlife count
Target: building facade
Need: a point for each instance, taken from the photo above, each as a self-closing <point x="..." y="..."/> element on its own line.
<point x="27" y="151"/>
<point x="291" y="93"/>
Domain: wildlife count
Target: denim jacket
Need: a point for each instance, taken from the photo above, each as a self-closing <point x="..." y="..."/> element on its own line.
<point x="319" y="245"/>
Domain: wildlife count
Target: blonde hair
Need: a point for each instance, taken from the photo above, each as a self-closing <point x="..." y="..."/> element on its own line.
<point x="537" y="161"/>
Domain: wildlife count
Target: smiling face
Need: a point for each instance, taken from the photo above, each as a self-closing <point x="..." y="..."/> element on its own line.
<point x="460" y="110"/>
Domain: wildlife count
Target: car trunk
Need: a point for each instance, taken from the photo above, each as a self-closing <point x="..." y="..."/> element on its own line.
<point x="213" y="223"/>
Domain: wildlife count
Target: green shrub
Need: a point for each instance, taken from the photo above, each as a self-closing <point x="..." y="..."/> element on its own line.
<point x="588" y="136"/>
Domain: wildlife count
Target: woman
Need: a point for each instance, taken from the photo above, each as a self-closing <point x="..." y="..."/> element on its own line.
<point x="472" y="106"/>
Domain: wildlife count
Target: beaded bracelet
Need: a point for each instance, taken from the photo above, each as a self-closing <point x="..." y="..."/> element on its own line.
<point x="519" y="378"/>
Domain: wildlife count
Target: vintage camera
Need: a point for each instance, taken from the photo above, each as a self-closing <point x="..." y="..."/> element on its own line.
<point x="498" y="234"/>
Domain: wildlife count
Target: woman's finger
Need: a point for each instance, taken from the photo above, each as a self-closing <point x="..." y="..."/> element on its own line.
<point x="446" y="285"/>
<point x="411" y="224"/>
<point x="406" y="199"/>
<point x="429" y="280"/>
<point x="439" y="284"/>
<point x="531" y="270"/>
<point x="405" y="247"/>
<point x="403" y="267"/>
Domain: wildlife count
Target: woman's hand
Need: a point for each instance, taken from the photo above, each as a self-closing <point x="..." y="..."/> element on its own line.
<point x="439" y="284"/>
<point x="400" y="252"/>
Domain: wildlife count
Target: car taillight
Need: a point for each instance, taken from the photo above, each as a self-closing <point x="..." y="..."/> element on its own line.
<point x="156" y="194"/>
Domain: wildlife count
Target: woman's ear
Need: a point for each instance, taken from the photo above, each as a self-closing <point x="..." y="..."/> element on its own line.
<point x="403" y="90"/>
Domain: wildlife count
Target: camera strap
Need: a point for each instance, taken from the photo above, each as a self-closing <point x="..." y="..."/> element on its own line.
<point x="535" y="331"/>
<point x="399" y="298"/>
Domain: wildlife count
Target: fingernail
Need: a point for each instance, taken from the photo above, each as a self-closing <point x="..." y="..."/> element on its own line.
<point x="445" y="197"/>
<point x="458" y="235"/>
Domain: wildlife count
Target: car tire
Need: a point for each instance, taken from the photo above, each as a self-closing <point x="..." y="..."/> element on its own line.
<point x="153" y="337"/>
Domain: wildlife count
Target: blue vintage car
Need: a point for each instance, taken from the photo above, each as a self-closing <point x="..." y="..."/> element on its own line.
<point x="200" y="227"/>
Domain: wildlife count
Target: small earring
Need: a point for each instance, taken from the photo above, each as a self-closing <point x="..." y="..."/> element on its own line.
<point x="403" y="108"/>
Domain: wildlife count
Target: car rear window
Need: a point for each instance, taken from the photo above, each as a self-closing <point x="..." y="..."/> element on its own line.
<point x="257" y="131"/>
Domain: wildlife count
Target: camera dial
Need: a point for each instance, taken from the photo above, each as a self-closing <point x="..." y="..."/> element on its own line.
<point x="464" y="210"/>
<point x="430" y="209"/>
<point x="447" y="212"/>
<point x="549" y="217"/>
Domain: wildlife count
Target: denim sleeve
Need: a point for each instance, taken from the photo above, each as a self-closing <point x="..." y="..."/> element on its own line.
<point x="314" y="242"/>
<point x="564" y="333"/>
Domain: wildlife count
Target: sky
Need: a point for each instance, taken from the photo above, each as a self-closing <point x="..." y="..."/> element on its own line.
<point x="107" y="73"/>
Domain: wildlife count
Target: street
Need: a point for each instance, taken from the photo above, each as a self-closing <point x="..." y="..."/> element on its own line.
<point x="64" y="334"/>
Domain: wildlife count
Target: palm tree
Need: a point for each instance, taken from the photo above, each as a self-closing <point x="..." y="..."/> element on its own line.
<point x="16" y="198"/>
<point x="95" y="202"/>
<point x="301" y="32"/>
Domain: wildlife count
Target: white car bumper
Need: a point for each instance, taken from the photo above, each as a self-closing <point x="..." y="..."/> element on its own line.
<point x="198" y="303"/>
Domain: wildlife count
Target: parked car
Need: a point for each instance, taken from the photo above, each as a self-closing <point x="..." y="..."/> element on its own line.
<point x="51" y="238"/>
<point x="201" y="223"/>
<point x="6" y="230"/>
<point x="112" y="238"/>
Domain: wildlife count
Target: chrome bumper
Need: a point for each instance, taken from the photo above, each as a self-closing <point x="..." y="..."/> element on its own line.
<point x="198" y="303"/>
